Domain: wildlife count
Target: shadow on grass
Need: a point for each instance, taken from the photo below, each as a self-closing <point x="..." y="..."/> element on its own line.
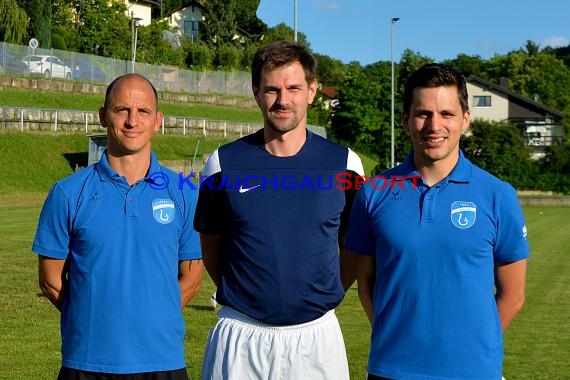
<point x="200" y="307"/>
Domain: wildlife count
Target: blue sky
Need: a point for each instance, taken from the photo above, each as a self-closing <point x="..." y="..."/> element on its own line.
<point x="360" y="30"/>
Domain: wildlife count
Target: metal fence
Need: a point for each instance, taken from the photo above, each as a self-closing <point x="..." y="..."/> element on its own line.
<point x="17" y="60"/>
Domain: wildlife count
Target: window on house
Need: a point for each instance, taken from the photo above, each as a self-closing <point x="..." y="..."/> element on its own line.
<point x="482" y="101"/>
<point x="192" y="29"/>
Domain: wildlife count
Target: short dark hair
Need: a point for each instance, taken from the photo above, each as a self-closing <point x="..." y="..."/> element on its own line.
<point x="116" y="81"/>
<point x="282" y="53"/>
<point x="435" y="75"/>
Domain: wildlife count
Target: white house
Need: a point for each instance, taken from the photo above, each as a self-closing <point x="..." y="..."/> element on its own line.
<point x="140" y="9"/>
<point x="186" y="20"/>
<point x="541" y="126"/>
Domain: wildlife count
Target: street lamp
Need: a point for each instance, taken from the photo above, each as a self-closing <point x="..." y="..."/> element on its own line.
<point x="392" y="161"/>
<point x="134" y="32"/>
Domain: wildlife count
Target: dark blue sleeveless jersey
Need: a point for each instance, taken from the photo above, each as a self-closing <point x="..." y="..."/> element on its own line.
<point x="280" y="219"/>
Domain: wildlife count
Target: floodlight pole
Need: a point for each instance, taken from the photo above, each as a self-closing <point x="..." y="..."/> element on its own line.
<point x="392" y="155"/>
<point x="134" y="32"/>
<point x="295" y="19"/>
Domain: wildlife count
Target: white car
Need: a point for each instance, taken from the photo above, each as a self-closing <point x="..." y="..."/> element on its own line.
<point x="47" y="65"/>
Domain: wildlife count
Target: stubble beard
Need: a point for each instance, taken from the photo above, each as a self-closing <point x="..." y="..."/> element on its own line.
<point x="281" y="125"/>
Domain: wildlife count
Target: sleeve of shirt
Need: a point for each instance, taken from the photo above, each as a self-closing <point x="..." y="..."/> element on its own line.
<point x="511" y="244"/>
<point x="189" y="244"/>
<point x="354" y="169"/>
<point x="54" y="227"/>
<point x="210" y="208"/>
<point x="359" y="236"/>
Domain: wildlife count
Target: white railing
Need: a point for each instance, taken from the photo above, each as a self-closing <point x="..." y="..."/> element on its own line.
<point x="57" y="120"/>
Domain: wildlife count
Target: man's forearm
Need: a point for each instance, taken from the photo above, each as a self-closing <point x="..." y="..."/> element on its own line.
<point x="53" y="280"/>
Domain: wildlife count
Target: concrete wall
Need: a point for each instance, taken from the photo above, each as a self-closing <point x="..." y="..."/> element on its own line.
<point x="544" y="201"/>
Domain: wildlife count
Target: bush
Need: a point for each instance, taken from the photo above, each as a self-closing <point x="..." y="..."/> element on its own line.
<point x="200" y="56"/>
<point x="227" y="58"/>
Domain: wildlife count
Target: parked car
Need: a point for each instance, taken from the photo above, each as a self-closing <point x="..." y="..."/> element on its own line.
<point x="47" y="65"/>
<point x="86" y="70"/>
<point x="10" y="64"/>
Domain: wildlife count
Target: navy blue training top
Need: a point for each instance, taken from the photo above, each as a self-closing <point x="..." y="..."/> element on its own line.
<point x="279" y="218"/>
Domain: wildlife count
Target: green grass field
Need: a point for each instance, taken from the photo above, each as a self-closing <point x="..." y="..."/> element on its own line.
<point x="537" y="344"/>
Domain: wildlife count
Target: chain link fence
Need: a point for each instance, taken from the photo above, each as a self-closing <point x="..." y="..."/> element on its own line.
<point x="60" y="64"/>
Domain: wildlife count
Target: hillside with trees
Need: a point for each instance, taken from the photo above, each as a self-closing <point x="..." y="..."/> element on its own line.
<point x="361" y="116"/>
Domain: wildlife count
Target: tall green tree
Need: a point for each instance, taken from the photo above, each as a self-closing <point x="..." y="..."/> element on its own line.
<point x="281" y="32"/>
<point x="330" y="71"/>
<point x="153" y="48"/>
<point x="13" y="22"/>
<point x="246" y="16"/>
<point x="39" y="13"/>
<point x="468" y="65"/>
<point x="359" y="120"/>
<point x="65" y="33"/>
<point x="536" y="75"/>
<point x="105" y="29"/>
<point x="409" y="63"/>
<point x="219" y="25"/>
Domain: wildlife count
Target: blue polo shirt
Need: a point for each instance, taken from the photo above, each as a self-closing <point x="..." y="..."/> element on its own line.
<point x="280" y="219"/>
<point x="435" y="314"/>
<point x="123" y="245"/>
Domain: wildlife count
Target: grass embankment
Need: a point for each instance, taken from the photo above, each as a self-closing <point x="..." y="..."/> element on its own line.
<point x="32" y="162"/>
<point x="91" y="102"/>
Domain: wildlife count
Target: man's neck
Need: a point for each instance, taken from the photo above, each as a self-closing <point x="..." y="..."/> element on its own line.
<point x="133" y="167"/>
<point x="284" y="144"/>
<point x="433" y="172"/>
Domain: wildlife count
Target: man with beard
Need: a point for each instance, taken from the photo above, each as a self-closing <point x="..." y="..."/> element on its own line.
<point x="272" y="235"/>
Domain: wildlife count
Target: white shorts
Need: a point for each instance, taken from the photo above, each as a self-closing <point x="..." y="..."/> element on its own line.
<point x="241" y="348"/>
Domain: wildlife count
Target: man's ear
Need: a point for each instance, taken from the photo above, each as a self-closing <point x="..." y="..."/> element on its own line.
<point x="102" y="118"/>
<point x="312" y="91"/>
<point x="255" y="91"/>
<point x="466" y="121"/>
<point x="158" y="123"/>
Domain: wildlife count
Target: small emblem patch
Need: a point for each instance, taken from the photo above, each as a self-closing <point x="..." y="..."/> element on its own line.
<point x="463" y="214"/>
<point x="163" y="210"/>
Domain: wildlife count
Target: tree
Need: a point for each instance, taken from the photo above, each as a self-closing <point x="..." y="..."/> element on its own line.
<point x="246" y="15"/>
<point x="105" y="29"/>
<point x="281" y="32"/>
<point x="500" y="149"/>
<point x="330" y="71"/>
<point x="39" y="13"/>
<point x="555" y="169"/>
<point x="219" y="25"/>
<point x="13" y="22"/>
<point x="152" y="47"/>
<point x="65" y="34"/>
<point x="410" y="62"/>
<point x="360" y="118"/>
<point x="468" y="65"/>
<point x="539" y="76"/>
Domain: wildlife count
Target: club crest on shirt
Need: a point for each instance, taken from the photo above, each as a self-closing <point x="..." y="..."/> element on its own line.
<point x="463" y="214"/>
<point x="163" y="210"/>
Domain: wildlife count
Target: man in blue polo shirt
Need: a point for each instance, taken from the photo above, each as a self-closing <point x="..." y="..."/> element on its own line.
<point x="118" y="255"/>
<point x="271" y="220"/>
<point x="441" y="249"/>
